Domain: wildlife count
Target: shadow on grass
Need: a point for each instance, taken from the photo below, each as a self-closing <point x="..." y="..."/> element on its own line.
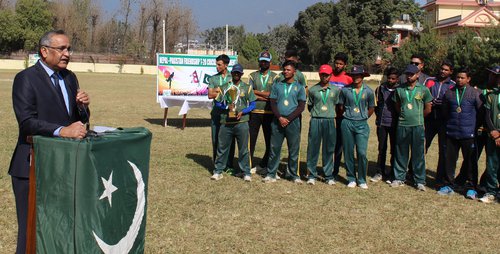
<point x="177" y="122"/>
<point x="202" y="160"/>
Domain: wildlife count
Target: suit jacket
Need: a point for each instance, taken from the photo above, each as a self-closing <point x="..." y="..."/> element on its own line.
<point x="40" y="111"/>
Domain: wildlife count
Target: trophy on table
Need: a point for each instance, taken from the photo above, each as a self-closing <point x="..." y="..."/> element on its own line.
<point x="231" y="97"/>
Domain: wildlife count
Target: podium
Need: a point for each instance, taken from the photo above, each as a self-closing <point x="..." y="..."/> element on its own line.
<point x="90" y="195"/>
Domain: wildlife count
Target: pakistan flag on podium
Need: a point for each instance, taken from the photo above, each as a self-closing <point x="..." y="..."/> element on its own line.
<point x="91" y="194"/>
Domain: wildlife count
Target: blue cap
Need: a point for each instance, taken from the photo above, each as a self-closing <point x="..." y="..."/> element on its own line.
<point x="265" y="56"/>
<point x="358" y="70"/>
<point x="412" y="69"/>
<point x="237" y="68"/>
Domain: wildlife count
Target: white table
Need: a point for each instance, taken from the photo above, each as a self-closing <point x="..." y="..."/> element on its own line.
<point x="185" y="102"/>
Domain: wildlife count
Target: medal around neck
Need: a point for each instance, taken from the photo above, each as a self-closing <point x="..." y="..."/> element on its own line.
<point x="231" y="96"/>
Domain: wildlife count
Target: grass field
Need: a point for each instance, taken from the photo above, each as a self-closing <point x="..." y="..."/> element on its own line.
<point x="188" y="213"/>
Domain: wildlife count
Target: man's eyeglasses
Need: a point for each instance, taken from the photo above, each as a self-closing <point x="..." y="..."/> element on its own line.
<point x="415" y="63"/>
<point x="60" y="49"/>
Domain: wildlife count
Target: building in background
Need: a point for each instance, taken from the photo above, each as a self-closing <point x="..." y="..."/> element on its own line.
<point x="448" y="16"/>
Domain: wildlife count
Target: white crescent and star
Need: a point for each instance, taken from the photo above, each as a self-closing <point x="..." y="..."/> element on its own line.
<point x="127" y="242"/>
<point x="109" y="188"/>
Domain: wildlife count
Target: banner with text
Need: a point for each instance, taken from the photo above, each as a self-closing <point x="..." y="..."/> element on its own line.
<point x="186" y="74"/>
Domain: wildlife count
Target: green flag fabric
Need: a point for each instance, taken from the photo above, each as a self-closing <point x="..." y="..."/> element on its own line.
<point x="91" y="194"/>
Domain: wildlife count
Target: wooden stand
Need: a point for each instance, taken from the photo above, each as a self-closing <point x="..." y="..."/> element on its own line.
<point x="165" y="119"/>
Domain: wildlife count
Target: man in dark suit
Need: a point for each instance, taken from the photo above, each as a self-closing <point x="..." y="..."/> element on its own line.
<point x="47" y="101"/>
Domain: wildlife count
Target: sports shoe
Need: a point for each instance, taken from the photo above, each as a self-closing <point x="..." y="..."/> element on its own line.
<point x="397" y="183"/>
<point x="376" y="178"/>
<point x="247" y="178"/>
<point x="487" y="198"/>
<point x="471" y="194"/>
<point x="311" y="182"/>
<point x="216" y="177"/>
<point x="351" y="185"/>
<point x="388" y="181"/>
<point x="331" y="182"/>
<point x="278" y="177"/>
<point x="363" y="186"/>
<point x="445" y="191"/>
<point x="269" y="179"/>
<point x="253" y="170"/>
<point x="297" y="181"/>
<point x="421" y="187"/>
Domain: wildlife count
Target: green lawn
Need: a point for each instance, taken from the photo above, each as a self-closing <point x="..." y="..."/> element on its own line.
<point x="189" y="213"/>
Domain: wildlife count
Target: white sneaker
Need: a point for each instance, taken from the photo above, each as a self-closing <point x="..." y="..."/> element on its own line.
<point x="376" y="178"/>
<point x="487" y="198"/>
<point x="216" y="177"/>
<point x="331" y="182"/>
<point x="297" y="181"/>
<point x="278" y="177"/>
<point x="363" y="186"/>
<point x="311" y="182"/>
<point x="253" y="170"/>
<point x="247" y="178"/>
<point x="351" y="185"/>
<point x="269" y="179"/>
<point x="421" y="187"/>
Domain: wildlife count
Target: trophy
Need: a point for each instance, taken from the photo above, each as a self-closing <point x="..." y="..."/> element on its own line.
<point x="231" y="96"/>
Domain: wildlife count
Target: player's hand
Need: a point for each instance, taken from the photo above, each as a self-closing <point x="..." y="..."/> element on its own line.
<point x="284" y="122"/>
<point x="238" y="117"/>
<point x="75" y="130"/>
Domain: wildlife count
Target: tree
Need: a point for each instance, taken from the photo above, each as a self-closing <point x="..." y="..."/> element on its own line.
<point x="250" y="52"/>
<point x="350" y="26"/>
<point x="217" y="37"/>
<point x="34" y="19"/>
<point x="467" y="49"/>
<point x="11" y="36"/>
<point x="429" y="44"/>
<point x="276" y="41"/>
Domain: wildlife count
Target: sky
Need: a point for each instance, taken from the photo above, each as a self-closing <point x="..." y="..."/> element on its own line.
<point x="255" y="15"/>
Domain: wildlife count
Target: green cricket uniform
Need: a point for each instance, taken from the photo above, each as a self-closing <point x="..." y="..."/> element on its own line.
<point x="287" y="98"/>
<point x="217" y="81"/>
<point x="410" y="131"/>
<point x="355" y="129"/>
<point x="321" y="103"/>
<point x="231" y="128"/>
<point x="262" y="83"/>
<point x="490" y="177"/>
<point x="298" y="77"/>
<point x="262" y="115"/>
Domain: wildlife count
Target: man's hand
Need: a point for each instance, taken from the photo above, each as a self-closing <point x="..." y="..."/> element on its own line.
<point x="238" y="117"/>
<point x="75" y="130"/>
<point x="494" y="134"/>
<point x="82" y="98"/>
<point x="283" y="121"/>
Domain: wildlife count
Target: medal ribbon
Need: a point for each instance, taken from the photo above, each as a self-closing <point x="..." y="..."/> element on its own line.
<point x="264" y="82"/>
<point x="410" y="99"/>
<point x="324" y="95"/>
<point x="287" y="92"/>
<point x="357" y="98"/>
<point x="220" y="80"/>
<point x="459" y="100"/>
